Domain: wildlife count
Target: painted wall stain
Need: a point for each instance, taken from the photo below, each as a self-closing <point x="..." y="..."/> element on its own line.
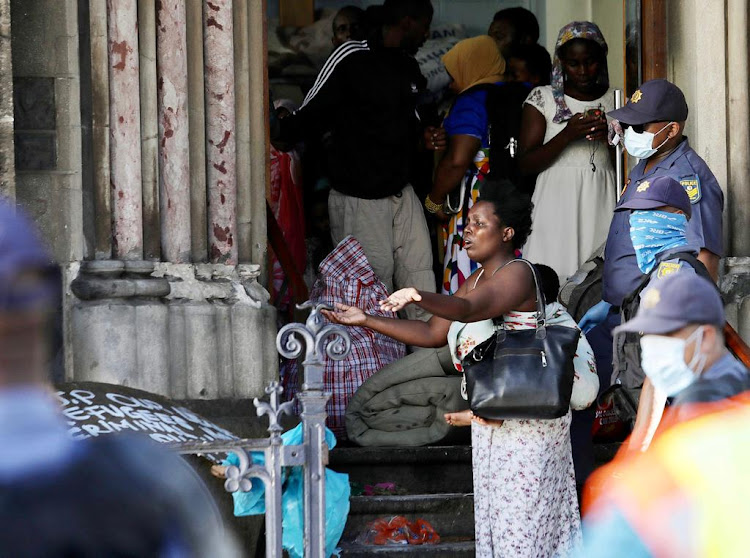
<point x="122" y="50"/>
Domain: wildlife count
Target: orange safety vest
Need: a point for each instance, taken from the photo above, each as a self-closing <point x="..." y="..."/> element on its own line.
<point x="689" y="494"/>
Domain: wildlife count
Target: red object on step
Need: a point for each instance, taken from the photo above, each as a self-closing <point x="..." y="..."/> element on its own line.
<point x="399" y="530"/>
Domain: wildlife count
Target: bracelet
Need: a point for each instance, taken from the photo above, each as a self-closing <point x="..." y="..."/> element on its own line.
<point x="431" y="206"/>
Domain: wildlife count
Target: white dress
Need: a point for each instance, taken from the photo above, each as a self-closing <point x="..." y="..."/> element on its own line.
<point x="572" y="204"/>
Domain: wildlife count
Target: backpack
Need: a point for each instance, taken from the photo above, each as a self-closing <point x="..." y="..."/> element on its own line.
<point x="504" y="105"/>
<point x="584" y="288"/>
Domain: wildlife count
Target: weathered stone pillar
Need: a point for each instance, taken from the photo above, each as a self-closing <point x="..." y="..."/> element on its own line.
<point x="100" y="128"/>
<point x="7" y="166"/>
<point x="149" y="130"/>
<point x="243" y="118"/>
<point x="197" y="122"/>
<point x="125" y="129"/>
<point x="260" y="162"/>
<point x="738" y="129"/>
<point x="120" y="324"/>
<point x="220" y="131"/>
<point x="174" y="149"/>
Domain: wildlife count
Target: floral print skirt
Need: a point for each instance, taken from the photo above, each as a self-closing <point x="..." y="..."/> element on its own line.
<point x="525" y="503"/>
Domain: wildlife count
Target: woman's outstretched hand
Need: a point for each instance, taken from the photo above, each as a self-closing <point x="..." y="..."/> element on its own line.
<point x="346" y="315"/>
<point x="400" y="299"/>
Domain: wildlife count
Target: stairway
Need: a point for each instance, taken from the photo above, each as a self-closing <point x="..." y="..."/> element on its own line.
<point x="438" y="488"/>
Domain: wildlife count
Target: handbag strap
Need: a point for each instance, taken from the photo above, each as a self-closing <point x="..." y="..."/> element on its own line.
<point x="541" y="313"/>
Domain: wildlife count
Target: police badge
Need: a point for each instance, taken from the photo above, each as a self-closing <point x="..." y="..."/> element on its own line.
<point x="692" y="185"/>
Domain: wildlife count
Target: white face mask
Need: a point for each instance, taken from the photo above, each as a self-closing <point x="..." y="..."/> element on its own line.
<point x="663" y="360"/>
<point x="639" y="145"/>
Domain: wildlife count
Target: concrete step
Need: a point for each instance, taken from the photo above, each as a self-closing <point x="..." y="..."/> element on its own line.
<point x="446" y="549"/>
<point x="421" y="470"/>
<point x="451" y="514"/>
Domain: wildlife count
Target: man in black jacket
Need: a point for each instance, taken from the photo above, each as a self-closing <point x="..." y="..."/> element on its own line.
<point x="366" y="96"/>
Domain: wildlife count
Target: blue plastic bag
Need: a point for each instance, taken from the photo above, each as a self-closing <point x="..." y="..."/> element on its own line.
<point x="338" y="492"/>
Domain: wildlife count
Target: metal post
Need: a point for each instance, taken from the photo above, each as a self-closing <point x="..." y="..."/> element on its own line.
<point x="319" y="340"/>
<point x="273" y="467"/>
<point x="619" y="163"/>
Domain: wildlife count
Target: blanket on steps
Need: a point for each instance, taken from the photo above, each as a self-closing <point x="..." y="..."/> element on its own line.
<point x="403" y="403"/>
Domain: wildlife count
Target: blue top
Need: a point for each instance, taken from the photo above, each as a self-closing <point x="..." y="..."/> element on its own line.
<point x="33" y="434"/>
<point x="725" y="366"/>
<point x="468" y="116"/>
<point x="611" y="536"/>
<point x="621" y="273"/>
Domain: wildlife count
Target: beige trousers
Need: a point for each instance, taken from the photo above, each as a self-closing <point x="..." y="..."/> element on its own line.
<point x="393" y="233"/>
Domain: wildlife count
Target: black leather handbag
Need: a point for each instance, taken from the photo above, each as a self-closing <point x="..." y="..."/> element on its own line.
<point x="523" y="374"/>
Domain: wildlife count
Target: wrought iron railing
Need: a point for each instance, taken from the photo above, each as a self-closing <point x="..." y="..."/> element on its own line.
<point x="318" y="340"/>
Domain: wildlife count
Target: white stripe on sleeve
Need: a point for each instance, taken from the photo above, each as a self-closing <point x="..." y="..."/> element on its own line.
<point x="338" y="55"/>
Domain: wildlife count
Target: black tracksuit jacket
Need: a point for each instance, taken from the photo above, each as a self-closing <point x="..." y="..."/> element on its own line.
<point x="366" y="96"/>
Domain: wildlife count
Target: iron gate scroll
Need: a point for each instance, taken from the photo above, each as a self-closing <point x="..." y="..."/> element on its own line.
<point x="318" y="340"/>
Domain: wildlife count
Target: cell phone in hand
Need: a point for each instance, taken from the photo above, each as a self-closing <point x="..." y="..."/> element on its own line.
<point x="596" y="112"/>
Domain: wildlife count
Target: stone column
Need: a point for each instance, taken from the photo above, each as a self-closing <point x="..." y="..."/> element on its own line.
<point x="738" y="130"/>
<point x="259" y="135"/>
<point x="220" y="131"/>
<point x="100" y="128"/>
<point x="197" y="122"/>
<point x="125" y="129"/>
<point x="7" y="166"/>
<point x="149" y="130"/>
<point x="243" y="119"/>
<point x="174" y="149"/>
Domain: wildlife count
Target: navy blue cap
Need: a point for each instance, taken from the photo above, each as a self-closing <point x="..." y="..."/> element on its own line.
<point x="658" y="192"/>
<point x="22" y="250"/>
<point x="657" y="100"/>
<point x="672" y="302"/>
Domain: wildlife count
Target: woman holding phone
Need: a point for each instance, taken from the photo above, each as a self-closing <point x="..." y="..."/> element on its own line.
<point x="564" y="141"/>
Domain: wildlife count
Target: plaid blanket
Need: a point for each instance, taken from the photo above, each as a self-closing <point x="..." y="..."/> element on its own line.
<point x="347" y="277"/>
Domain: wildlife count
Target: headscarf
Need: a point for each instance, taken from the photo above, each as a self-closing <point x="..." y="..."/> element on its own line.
<point x="575" y="30"/>
<point x="474" y="61"/>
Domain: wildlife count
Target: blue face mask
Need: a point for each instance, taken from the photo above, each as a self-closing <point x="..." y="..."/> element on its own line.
<point x="653" y="232"/>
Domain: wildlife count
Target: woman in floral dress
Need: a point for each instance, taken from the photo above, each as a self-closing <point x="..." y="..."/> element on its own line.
<point x="524" y="485"/>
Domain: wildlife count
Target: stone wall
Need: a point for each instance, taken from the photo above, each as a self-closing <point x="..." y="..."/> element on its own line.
<point x="48" y="120"/>
<point x="106" y="99"/>
<point x="7" y="166"/>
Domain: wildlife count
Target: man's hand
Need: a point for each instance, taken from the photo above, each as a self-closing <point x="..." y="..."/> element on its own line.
<point x="435" y="138"/>
<point x="596" y="315"/>
<point x="400" y="299"/>
<point x="346" y="315"/>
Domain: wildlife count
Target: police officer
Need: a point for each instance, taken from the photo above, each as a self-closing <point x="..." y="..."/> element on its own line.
<point x="640" y="504"/>
<point x="681" y="319"/>
<point x="654" y="120"/>
<point x="658" y="213"/>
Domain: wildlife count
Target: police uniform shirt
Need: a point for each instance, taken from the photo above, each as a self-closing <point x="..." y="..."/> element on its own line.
<point x="726" y="378"/>
<point x="621" y="272"/>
